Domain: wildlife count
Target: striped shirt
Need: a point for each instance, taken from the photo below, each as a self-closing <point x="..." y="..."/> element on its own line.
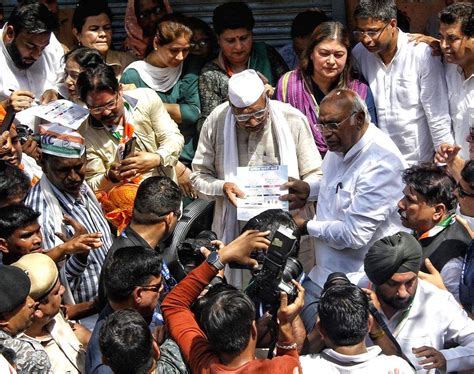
<point x="83" y="277"/>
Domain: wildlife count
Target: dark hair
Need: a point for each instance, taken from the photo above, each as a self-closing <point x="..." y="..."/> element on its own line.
<point x="433" y="183"/>
<point x="126" y="342"/>
<point x="226" y="318"/>
<point x="13" y="182"/>
<point x="343" y="313"/>
<point x="462" y="13"/>
<point x="33" y="18"/>
<point x="171" y="27"/>
<point x="332" y="30"/>
<point x="130" y="267"/>
<point x="232" y="15"/>
<point x="196" y="24"/>
<point x="305" y="22"/>
<point x="84" y="56"/>
<point x="16" y="217"/>
<point x="98" y="78"/>
<point x="382" y="10"/>
<point x="89" y="8"/>
<point x="467" y="173"/>
<point x="156" y="197"/>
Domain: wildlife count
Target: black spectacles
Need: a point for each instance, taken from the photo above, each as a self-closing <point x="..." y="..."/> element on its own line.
<point x="463" y="193"/>
<point x="152" y="287"/>
<point x="150" y="12"/>
<point x="199" y="44"/>
<point x="374" y="35"/>
<point x="109" y="106"/>
<point x="333" y="126"/>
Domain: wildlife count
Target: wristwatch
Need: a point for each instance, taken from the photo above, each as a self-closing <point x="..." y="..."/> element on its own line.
<point x="213" y="259"/>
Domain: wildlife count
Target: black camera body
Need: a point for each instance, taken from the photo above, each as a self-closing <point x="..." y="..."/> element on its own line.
<point x="189" y="250"/>
<point x="277" y="271"/>
<point x="24" y="132"/>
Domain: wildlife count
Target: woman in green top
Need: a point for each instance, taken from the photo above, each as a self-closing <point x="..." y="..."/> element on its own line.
<point x="167" y="70"/>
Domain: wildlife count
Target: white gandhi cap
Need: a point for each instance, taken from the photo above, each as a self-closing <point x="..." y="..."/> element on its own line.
<point x="245" y="88"/>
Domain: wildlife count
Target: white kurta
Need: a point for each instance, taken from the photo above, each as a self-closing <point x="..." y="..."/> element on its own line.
<point x="410" y="96"/>
<point x="44" y="74"/>
<point x="461" y="105"/>
<point x="357" y="203"/>
<point x="371" y="362"/>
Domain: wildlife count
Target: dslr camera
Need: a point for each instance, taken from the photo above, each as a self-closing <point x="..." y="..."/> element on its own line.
<point x="276" y="271"/>
<point x="24" y="132"/>
<point x="189" y="250"/>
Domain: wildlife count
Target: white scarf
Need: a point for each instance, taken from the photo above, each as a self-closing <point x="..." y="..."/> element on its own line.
<point x="158" y="79"/>
<point x="286" y="147"/>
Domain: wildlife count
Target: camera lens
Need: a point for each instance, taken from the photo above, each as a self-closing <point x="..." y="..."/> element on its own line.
<point x="292" y="270"/>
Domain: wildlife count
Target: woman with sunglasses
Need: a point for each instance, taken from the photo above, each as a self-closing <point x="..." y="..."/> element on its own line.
<point x="173" y="75"/>
<point x="325" y="66"/>
<point x="92" y="27"/>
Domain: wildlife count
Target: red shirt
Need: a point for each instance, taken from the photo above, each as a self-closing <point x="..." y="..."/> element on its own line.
<point x="192" y="340"/>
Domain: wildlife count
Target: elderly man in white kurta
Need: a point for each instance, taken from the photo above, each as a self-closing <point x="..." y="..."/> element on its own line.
<point x="357" y="196"/>
<point x="251" y="130"/>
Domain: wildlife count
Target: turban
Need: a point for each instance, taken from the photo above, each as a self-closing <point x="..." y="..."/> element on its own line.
<point x="41" y="270"/>
<point x="245" y="88"/>
<point x="399" y="253"/>
<point x="61" y="141"/>
<point x="14" y="288"/>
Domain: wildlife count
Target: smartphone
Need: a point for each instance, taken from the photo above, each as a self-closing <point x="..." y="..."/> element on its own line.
<point x="129" y="147"/>
<point x="8" y="120"/>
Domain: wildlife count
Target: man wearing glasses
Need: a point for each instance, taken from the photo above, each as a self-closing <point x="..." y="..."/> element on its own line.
<point x="249" y="130"/>
<point x="357" y="196"/>
<point x="115" y="119"/>
<point x="407" y="82"/>
<point x="456" y="34"/>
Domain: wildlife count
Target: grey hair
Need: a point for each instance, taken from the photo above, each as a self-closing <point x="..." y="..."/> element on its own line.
<point x="359" y="105"/>
<point x="383" y="10"/>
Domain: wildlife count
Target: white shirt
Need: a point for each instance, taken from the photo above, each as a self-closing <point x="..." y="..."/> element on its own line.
<point x="461" y="105"/>
<point x="39" y="77"/>
<point x="433" y="319"/>
<point x="357" y="203"/>
<point x="371" y="362"/>
<point x="411" y="97"/>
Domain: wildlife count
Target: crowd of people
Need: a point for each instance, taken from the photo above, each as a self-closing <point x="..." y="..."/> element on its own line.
<point x="371" y="270"/>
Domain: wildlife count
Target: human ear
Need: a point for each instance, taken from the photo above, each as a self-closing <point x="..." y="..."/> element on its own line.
<point x="4" y="246"/>
<point x="439" y="211"/>
<point x="77" y="35"/>
<point x="10" y="34"/>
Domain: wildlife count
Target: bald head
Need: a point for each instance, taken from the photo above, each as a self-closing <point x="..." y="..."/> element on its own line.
<point x="343" y="119"/>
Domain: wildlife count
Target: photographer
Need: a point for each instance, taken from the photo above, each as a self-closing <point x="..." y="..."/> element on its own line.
<point x="225" y="338"/>
<point x="344" y="322"/>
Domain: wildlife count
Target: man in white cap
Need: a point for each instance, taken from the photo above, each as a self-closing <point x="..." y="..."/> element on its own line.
<point x="249" y="130"/>
<point x="62" y="192"/>
<point x="50" y="331"/>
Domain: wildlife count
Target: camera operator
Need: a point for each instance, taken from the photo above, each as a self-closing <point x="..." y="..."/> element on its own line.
<point x="344" y="322"/>
<point x="156" y="210"/>
<point x="225" y="337"/>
